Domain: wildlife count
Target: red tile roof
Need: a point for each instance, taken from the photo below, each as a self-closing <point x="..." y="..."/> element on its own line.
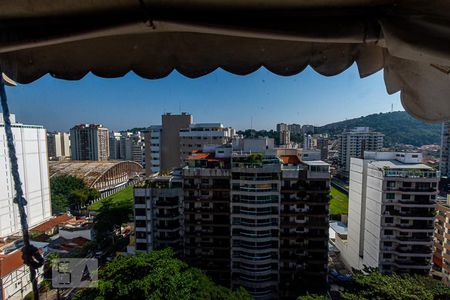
<point x="290" y="159"/>
<point x="52" y="223"/>
<point x="200" y="155"/>
<point x="10" y="262"/>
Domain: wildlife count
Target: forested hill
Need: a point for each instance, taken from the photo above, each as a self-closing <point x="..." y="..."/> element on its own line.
<point x="398" y="127"/>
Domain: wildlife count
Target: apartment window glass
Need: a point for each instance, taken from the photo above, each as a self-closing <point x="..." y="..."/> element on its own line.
<point x="390" y="196"/>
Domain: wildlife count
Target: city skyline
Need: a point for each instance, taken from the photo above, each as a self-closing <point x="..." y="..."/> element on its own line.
<point x="127" y="102"/>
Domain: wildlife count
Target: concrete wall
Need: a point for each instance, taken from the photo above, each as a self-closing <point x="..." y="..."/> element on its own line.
<point x="31" y="149"/>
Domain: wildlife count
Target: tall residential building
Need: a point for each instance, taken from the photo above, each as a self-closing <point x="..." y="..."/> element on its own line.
<point x="322" y="145"/>
<point x="285" y="137"/>
<point x="307" y="142"/>
<point x="259" y="221"/>
<point x="206" y="184"/>
<point x="203" y="134"/>
<point x="58" y="145"/>
<point x="282" y="127"/>
<point x="295" y="128"/>
<point x="445" y="150"/>
<point x="158" y="210"/>
<point x="114" y="145"/>
<point x="31" y="143"/>
<point x="441" y="247"/>
<point x="126" y="145"/>
<point x="152" y="140"/>
<point x="391" y="213"/>
<point x="170" y="139"/>
<point x="89" y="142"/>
<point x="353" y="143"/>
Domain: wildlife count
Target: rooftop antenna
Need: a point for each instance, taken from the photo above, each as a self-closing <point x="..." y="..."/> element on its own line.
<point x="392" y="107"/>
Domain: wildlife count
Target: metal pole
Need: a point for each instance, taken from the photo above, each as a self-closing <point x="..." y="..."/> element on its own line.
<point x="19" y="199"/>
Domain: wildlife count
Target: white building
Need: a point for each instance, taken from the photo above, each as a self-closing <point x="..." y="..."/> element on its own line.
<point x="392" y="199"/>
<point x="261" y="145"/>
<point x="58" y="145"/>
<point x="353" y="143"/>
<point x="152" y="139"/>
<point x="202" y="134"/>
<point x="31" y="150"/>
<point x="15" y="276"/>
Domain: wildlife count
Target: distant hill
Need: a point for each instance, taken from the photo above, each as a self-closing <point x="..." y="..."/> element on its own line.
<point x="398" y="127"/>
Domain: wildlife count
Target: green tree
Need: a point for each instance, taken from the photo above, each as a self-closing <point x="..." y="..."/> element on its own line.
<point x="78" y="198"/>
<point x="157" y="275"/>
<point x="111" y="216"/>
<point x="374" y="285"/>
<point x="61" y="188"/>
<point x="313" y="297"/>
<point x="68" y="191"/>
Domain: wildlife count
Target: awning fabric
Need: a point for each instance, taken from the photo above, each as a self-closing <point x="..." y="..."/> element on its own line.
<point x="409" y="39"/>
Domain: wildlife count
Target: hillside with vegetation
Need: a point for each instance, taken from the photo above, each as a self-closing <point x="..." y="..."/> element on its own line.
<point x="398" y="127"/>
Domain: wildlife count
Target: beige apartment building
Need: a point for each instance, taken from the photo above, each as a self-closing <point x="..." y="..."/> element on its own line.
<point x="203" y="134"/>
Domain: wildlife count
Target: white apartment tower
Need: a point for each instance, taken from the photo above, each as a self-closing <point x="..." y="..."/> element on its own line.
<point x="152" y="138"/>
<point x="31" y="146"/>
<point x="353" y="143"/>
<point x="58" y="145"/>
<point x="391" y="213"/>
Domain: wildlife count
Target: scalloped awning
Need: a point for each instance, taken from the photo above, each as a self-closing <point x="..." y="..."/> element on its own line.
<point x="409" y="39"/>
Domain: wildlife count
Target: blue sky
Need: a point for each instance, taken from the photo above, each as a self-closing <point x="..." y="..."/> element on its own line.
<point x="265" y="98"/>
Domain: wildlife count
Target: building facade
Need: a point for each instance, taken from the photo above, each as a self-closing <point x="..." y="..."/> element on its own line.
<point x="170" y="139"/>
<point x="391" y="213"/>
<point x="152" y="151"/>
<point x="285" y="137"/>
<point x="114" y="145"/>
<point x="445" y="150"/>
<point x="353" y="143"/>
<point x="158" y="211"/>
<point x="89" y="142"/>
<point x="196" y="136"/>
<point x="441" y="247"/>
<point x="32" y="158"/>
<point x="258" y="221"/>
<point x="58" y="145"/>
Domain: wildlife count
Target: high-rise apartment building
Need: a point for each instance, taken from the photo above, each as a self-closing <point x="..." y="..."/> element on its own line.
<point x="158" y="211"/>
<point x="285" y="137"/>
<point x="282" y="127"/>
<point x="441" y="247"/>
<point x="259" y="221"/>
<point x="203" y="134"/>
<point x="206" y="184"/>
<point x="307" y="142"/>
<point x="152" y="138"/>
<point x="322" y="145"/>
<point x="353" y="143"/>
<point x="31" y="142"/>
<point x="89" y="142"/>
<point x="170" y="139"/>
<point x="295" y="128"/>
<point x="58" y="145"/>
<point x="391" y="213"/>
<point x="126" y="145"/>
<point x="114" y="145"/>
<point x="445" y="150"/>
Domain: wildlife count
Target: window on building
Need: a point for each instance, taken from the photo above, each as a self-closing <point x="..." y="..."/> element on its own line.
<point x="390" y="196"/>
